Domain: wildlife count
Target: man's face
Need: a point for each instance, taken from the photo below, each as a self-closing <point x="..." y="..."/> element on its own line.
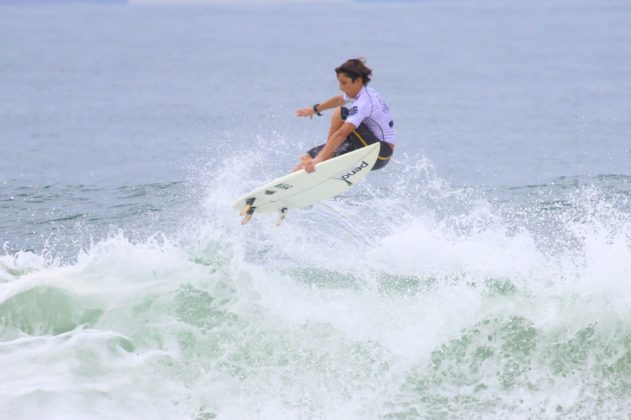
<point x="350" y="88"/>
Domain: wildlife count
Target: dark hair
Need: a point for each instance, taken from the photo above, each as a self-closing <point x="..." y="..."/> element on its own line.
<point x="354" y="68"/>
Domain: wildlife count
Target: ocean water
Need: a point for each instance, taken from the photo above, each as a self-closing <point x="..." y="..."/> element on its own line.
<point x="484" y="273"/>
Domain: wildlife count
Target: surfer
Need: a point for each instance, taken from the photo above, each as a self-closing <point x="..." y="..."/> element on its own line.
<point x="360" y="117"/>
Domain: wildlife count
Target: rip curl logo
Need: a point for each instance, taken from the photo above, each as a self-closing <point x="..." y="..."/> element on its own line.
<point x="352" y="172"/>
<point x="384" y="106"/>
<point x="283" y="186"/>
<point x="353" y="110"/>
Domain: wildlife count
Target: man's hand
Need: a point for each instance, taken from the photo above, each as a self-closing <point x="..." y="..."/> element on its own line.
<point x="308" y="163"/>
<point x="305" y="112"/>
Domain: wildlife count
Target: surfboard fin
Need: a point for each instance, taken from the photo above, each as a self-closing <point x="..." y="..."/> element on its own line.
<point x="248" y="215"/>
<point x="281" y="217"/>
<point x="248" y="205"/>
<point x="248" y="210"/>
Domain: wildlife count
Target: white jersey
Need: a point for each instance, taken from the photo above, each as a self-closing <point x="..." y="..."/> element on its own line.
<point x="368" y="107"/>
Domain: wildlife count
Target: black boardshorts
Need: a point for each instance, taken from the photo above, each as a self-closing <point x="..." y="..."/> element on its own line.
<point x="360" y="137"/>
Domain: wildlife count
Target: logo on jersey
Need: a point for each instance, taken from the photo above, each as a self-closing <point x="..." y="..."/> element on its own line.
<point x="353" y="110"/>
<point x="384" y="106"/>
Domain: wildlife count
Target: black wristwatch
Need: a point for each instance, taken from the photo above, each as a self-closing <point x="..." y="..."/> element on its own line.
<point x="315" y="109"/>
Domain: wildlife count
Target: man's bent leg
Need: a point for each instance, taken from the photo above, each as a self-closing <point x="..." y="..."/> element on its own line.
<point x="336" y="121"/>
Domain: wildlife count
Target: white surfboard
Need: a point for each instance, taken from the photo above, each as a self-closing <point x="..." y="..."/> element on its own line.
<point x="299" y="189"/>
